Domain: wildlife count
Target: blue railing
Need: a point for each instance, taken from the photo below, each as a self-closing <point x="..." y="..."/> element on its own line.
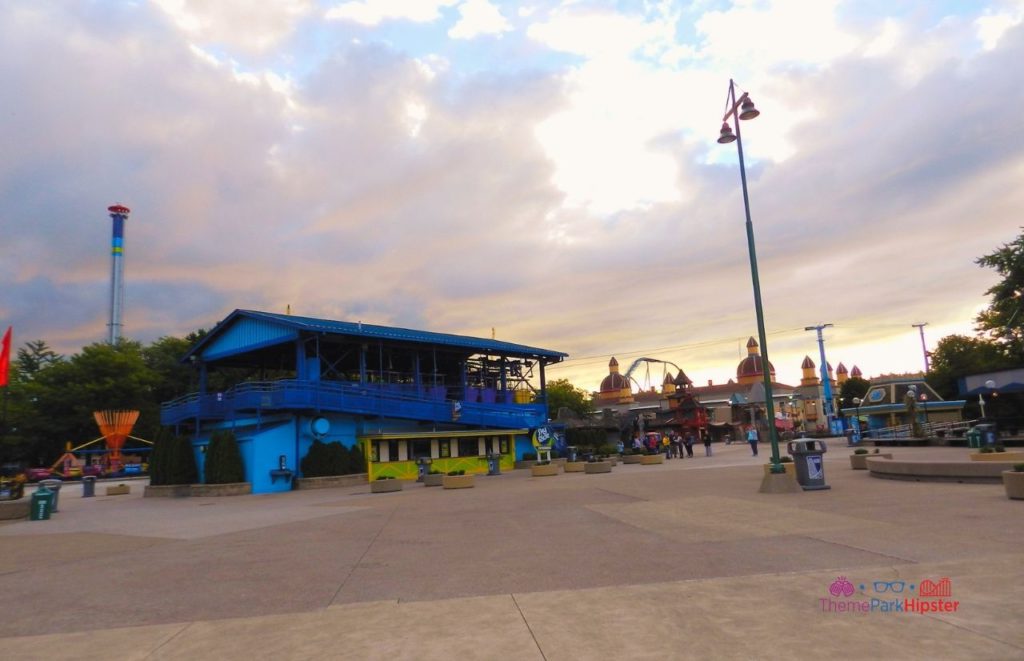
<point x="434" y="403"/>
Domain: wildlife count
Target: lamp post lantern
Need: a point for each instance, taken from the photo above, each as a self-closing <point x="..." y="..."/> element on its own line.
<point x="737" y="109"/>
<point x="990" y="384"/>
<point x="924" y="405"/>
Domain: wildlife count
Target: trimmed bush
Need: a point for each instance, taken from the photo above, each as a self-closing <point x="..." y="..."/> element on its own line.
<point x="183" y="462"/>
<point x="172" y="461"/>
<point x="223" y="460"/>
<point x="333" y="458"/>
<point x="860" y="451"/>
<point x="786" y="460"/>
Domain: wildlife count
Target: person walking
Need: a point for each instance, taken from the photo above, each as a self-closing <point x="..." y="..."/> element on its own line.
<point x="707" y="444"/>
<point x="752" y="439"/>
<point x="688" y="444"/>
<point x="676" y="445"/>
<point x="666" y="446"/>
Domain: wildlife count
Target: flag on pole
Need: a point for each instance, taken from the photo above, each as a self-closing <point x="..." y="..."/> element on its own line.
<point x="5" y="357"/>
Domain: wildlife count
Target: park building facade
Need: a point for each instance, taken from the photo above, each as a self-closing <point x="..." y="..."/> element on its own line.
<point x="402" y="395"/>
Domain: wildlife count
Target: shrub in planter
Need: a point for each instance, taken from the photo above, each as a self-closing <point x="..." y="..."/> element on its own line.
<point x="325" y="459"/>
<point x="985" y="450"/>
<point x="1000" y="448"/>
<point x="223" y="460"/>
<point x="862" y="451"/>
<point x="458" y="472"/>
<point x="172" y="461"/>
<point x="1018" y="468"/>
<point x="785" y="460"/>
<point x="385" y="477"/>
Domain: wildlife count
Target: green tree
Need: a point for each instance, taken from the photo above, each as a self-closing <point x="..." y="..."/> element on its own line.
<point x="1003" y="321"/>
<point x="957" y="356"/>
<point x="854" y="387"/>
<point x="35" y="356"/>
<point x="561" y="393"/>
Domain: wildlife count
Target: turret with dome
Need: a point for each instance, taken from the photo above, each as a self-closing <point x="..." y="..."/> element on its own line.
<point x="751" y="370"/>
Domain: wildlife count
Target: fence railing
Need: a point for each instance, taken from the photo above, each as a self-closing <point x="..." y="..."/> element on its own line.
<point x="435" y="403"/>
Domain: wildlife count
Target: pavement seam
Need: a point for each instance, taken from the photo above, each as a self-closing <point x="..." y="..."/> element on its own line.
<point x="355" y="564"/>
<point x="528" y="627"/>
<point x="177" y="633"/>
<point x="858" y="548"/>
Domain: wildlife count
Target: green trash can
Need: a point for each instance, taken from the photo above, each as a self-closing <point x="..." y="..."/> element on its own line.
<point x="42" y="500"/>
<point x="974" y="437"/>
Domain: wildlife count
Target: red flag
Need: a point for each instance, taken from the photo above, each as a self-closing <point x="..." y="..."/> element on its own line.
<point x="5" y="357"/>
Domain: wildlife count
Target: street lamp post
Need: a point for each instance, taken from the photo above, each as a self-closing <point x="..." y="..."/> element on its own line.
<point x="856" y="420"/>
<point x="990" y="384"/>
<point x="924" y="405"/>
<point x="737" y="109"/>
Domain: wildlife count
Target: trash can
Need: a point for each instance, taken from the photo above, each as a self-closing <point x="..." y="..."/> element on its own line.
<point x="571" y="451"/>
<point x="809" y="463"/>
<point x="422" y="467"/>
<point x="493" y="463"/>
<point x="973" y="437"/>
<point x="88" y="486"/>
<point x="988" y="433"/>
<point x="54" y="486"/>
<point x="42" y="499"/>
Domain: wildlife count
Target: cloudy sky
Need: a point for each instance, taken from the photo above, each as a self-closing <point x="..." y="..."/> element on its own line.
<point x="547" y="169"/>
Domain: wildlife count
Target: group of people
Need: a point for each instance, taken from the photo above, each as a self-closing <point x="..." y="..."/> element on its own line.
<point x="672" y="444"/>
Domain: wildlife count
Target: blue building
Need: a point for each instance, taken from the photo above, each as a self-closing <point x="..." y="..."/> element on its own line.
<point x="406" y="395"/>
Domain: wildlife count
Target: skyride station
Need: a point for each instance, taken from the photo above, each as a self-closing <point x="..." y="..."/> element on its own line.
<point x="407" y="395"/>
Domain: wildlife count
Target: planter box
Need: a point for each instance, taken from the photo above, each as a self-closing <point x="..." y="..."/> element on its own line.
<point x="594" y="467"/>
<point x="168" y="491"/>
<point x="1007" y="457"/>
<point x="544" y="470"/>
<point x="574" y="466"/>
<point x="632" y="458"/>
<point x="15" y="509"/>
<point x="385" y="486"/>
<point x="527" y="463"/>
<point x="457" y="481"/>
<point x="859" y="462"/>
<point x="119" y="490"/>
<point x="331" y="481"/>
<point x="1013" y="482"/>
<point x="433" y="480"/>
<point x="652" y="459"/>
<point x="560" y="461"/>
<point x="230" y="489"/>
<point x="789" y="466"/>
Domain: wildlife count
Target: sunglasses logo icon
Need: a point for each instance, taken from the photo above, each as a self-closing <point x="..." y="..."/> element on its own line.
<point x="890" y="586"/>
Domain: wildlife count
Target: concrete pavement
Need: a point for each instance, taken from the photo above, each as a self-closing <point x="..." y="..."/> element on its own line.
<point x="684" y="560"/>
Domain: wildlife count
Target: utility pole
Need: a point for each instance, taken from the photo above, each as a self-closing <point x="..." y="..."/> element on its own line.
<point x="826" y="383"/>
<point x="924" y="348"/>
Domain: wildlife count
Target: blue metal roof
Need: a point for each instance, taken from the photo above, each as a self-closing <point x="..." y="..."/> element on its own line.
<point x="264" y="328"/>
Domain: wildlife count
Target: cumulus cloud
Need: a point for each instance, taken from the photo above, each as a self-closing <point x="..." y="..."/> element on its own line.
<point x="478" y="17"/>
<point x="374" y="12"/>
<point x="252" y="27"/>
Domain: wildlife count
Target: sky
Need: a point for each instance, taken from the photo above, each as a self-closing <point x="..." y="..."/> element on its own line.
<point x="548" y="170"/>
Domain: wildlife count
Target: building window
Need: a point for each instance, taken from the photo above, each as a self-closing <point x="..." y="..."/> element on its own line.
<point x="444" y="448"/>
<point x="469" y="447"/>
<point x="503" y="445"/>
<point x="393" y="450"/>
<point x="375" y="450"/>
<point x="419" y="448"/>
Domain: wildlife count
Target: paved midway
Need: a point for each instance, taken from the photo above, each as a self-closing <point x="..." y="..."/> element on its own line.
<point x="679" y="561"/>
